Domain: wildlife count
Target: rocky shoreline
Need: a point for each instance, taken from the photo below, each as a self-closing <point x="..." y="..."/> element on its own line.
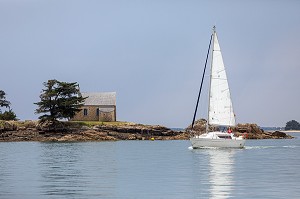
<point x="73" y="132"/>
<point x="14" y="131"/>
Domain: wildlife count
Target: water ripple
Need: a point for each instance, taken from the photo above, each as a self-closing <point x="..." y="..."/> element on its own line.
<point x="146" y="169"/>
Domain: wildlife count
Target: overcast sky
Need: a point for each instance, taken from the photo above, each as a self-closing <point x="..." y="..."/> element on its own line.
<point x="152" y="53"/>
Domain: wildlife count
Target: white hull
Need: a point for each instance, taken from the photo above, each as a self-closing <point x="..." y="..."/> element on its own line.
<point x="213" y="140"/>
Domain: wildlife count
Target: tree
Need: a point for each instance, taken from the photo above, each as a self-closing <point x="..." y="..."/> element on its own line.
<point x="292" y="125"/>
<point x="60" y="100"/>
<point x="3" y="101"/>
<point x="6" y="115"/>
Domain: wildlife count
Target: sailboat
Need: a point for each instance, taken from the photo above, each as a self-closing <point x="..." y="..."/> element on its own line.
<point x="220" y="109"/>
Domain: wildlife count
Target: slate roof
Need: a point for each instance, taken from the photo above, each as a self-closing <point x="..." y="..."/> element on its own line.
<point x="105" y="98"/>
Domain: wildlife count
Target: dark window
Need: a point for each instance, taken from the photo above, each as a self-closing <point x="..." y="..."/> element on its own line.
<point x="97" y="111"/>
<point x="224" y="136"/>
<point x="85" y="111"/>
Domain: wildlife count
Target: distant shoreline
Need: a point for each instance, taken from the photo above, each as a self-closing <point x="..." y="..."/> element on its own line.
<point x="291" y="131"/>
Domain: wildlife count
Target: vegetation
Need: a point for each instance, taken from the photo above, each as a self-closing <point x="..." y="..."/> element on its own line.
<point x="3" y="101"/>
<point x="94" y="123"/>
<point x="59" y="100"/>
<point x="292" y="125"/>
<point x="6" y="115"/>
<point x="25" y="124"/>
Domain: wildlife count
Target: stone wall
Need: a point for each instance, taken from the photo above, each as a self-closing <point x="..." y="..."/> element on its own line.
<point x="93" y="116"/>
<point x="106" y="116"/>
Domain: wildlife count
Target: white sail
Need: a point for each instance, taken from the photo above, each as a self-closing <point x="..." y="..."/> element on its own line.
<point x="220" y="105"/>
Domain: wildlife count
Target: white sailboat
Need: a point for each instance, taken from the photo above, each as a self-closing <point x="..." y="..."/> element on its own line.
<point x="220" y="110"/>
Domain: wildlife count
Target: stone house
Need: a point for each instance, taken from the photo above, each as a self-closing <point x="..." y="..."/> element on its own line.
<point x="98" y="107"/>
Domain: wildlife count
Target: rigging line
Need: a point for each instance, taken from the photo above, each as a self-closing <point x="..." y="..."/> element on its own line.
<point x="195" y="113"/>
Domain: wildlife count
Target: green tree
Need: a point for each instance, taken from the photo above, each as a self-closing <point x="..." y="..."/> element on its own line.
<point x="292" y="125"/>
<point x="6" y="115"/>
<point x="59" y="100"/>
<point x="3" y="101"/>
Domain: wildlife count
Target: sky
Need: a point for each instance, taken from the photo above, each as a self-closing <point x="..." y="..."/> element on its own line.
<point x="152" y="53"/>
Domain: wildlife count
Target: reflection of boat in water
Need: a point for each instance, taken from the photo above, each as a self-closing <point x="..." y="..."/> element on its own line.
<point x="221" y="173"/>
<point x="220" y="110"/>
<point x="219" y="170"/>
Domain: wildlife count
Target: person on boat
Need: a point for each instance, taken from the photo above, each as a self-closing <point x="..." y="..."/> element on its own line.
<point x="229" y="130"/>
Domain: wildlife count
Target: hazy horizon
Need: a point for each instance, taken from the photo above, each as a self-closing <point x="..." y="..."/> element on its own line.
<point x="152" y="54"/>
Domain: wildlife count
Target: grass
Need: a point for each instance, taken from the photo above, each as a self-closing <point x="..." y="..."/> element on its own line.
<point x="32" y="124"/>
<point x="94" y="123"/>
<point x="27" y="123"/>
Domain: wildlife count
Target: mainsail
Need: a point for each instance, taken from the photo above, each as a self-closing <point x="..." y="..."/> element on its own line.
<point x="220" y="106"/>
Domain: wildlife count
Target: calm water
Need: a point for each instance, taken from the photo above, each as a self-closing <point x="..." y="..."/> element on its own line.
<point x="147" y="169"/>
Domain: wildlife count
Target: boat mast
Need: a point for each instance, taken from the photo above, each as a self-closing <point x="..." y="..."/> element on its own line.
<point x="210" y="77"/>
<point x="195" y="113"/>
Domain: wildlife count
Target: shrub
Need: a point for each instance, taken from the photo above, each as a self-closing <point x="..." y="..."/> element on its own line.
<point x="8" y="115"/>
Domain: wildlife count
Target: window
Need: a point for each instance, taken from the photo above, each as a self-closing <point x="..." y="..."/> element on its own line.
<point x="224" y="136"/>
<point x="85" y="111"/>
<point x="97" y="111"/>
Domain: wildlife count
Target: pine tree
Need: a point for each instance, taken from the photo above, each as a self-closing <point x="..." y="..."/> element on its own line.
<point x="59" y="100"/>
<point x="292" y="125"/>
<point x="3" y="101"/>
<point x="6" y="115"/>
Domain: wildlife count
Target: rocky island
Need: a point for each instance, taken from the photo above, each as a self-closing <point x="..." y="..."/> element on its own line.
<point x="83" y="131"/>
<point x="13" y="131"/>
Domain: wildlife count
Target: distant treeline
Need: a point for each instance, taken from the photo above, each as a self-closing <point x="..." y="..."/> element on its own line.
<point x="292" y="125"/>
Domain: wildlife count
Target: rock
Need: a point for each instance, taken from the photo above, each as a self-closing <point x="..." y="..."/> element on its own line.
<point x="280" y="134"/>
<point x="85" y="128"/>
<point x="7" y="126"/>
<point x="248" y="128"/>
<point x="95" y="127"/>
<point x="22" y="128"/>
<point x="30" y="124"/>
<point x="200" y="126"/>
<point x="52" y="126"/>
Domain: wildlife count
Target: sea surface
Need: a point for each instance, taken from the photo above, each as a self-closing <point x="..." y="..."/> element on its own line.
<point x="149" y="169"/>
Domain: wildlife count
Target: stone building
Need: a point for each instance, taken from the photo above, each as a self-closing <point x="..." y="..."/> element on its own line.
<point x="98" y="107"/>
